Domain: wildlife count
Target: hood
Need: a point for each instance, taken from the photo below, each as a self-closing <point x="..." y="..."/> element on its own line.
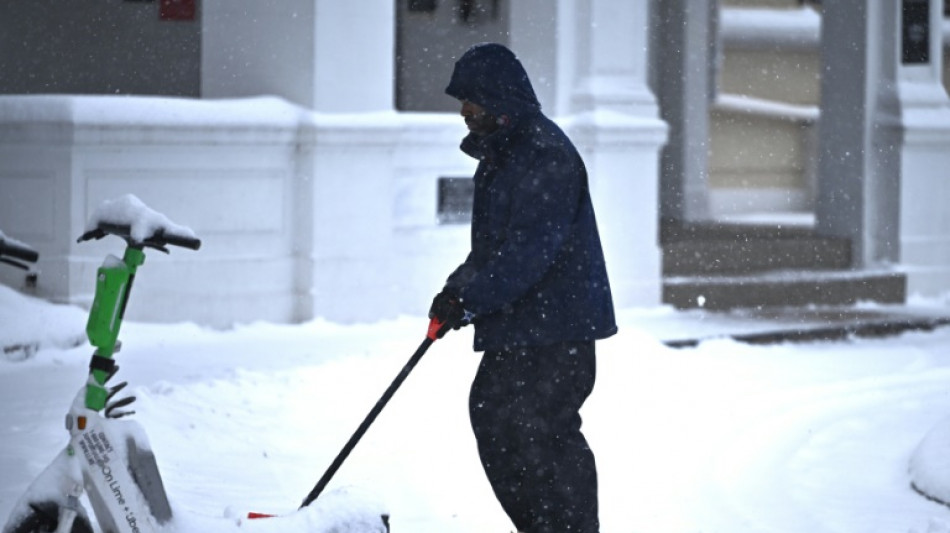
<point x="490" y="76"/>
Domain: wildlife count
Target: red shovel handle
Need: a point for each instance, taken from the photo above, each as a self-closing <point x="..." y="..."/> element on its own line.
<point x="436" y="329"/>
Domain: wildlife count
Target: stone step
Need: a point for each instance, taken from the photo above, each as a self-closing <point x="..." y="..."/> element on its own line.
<point x="750" y="255"/>
<point x="737" y="249"/>
<point x="872" y="329"/>
<point x="784" y="289"/>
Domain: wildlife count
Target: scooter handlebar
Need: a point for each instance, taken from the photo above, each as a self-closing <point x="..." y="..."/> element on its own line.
<point x="18" y="250"/>
<point x="192" y="243"/>
<point x="159" y="239"/>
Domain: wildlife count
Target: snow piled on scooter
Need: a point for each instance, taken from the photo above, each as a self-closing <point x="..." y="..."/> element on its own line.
<point x="142" y="220"/>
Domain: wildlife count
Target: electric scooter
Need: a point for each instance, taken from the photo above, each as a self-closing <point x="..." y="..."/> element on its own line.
<point x="107" y="458"/>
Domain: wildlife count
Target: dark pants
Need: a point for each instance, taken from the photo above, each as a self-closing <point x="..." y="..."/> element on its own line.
<point x="524" y="410"/>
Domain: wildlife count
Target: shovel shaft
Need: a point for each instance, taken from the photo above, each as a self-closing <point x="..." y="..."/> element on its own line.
<point x="434" y="328"/>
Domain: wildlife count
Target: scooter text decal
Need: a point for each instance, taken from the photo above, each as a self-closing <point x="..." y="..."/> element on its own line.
<point x="97" y="449"/>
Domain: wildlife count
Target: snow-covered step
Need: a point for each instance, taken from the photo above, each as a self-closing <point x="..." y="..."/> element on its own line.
<point x="785" y="289"/>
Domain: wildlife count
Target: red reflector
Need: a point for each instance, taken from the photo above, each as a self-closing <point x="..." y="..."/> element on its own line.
<point x="253" y="515"/>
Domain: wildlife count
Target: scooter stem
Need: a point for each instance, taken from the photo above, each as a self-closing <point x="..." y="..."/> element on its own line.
<point x="113" y="286"/>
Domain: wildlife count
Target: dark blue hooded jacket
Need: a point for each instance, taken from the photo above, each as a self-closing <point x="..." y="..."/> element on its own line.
<point x="535" y="274"/>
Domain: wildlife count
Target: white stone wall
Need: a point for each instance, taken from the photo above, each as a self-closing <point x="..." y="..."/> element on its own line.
<point x="225" y="169"/>
<point x="300" y="214"/>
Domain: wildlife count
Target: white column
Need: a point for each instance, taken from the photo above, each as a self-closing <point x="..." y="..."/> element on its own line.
<point x="616" y="126"/>
<point x="859" y="131"/>
<point x="354" y="58"/>
<point x="254" y="47"/>
<point x="611" y="58"/>
<point x="925" y="158"/>
<point x="327" y="55"/>
<point x="535" y="39"/>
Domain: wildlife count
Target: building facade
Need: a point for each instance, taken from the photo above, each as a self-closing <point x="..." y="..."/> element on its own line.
<point x="309" y="144"/>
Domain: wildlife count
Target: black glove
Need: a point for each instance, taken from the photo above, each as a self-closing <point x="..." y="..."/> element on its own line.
<point x="447" y="309"/>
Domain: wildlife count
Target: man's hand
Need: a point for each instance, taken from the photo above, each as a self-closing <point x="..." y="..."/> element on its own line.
<point x="447" y="308"/>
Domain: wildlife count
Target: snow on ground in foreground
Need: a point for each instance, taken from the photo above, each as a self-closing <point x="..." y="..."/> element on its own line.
<point x="725" y="437"/>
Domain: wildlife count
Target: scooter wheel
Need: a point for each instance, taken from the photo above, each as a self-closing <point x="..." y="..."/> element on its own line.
<point x="43" y="517"/>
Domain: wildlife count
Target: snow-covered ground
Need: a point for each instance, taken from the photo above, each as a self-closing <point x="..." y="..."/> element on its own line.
<point x="725" y="437"/>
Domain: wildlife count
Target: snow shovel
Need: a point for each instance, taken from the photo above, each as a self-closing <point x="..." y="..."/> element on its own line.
<point x="435" y="331"/>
